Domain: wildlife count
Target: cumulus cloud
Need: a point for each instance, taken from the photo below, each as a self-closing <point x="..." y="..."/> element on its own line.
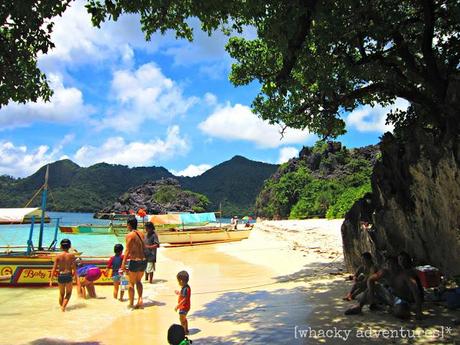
<point x="286" y="153"/>
<point x="20" y="161"/>
<point x="142" y="95"/>
<point x="239" y="123"/>
<point x="78" y="42"/>
<point x="65" y="106"/>
<point x="116" y="150"/>
<point x="372" y="119"/>
<point x="192" y="170"/>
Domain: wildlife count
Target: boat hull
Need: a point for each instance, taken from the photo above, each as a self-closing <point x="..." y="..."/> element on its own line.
<point x="202" y="236"/>
<point x="197" y="235"/>
<point x="36" y="270"/>
<point x="90" y="229"/>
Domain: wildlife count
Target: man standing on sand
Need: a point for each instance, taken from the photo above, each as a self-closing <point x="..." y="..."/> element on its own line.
<point x="137" y="263"/>
<point x="151" y="244"/>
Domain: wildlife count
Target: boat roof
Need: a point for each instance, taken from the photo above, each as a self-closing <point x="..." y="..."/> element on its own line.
<point x="18" y="215"/>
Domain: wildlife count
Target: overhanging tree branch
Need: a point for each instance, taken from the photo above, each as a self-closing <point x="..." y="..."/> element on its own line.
<point x="427" y="50"/>
<point x="295" y="44"/>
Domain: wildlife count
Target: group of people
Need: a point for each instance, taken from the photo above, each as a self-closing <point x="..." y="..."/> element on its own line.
<point x="131" y="262"/>
<point x="395" y="285"/>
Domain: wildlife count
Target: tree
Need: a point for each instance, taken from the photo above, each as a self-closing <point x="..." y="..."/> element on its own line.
<point x="24" y="34"/>
<point x="315" y="59"/>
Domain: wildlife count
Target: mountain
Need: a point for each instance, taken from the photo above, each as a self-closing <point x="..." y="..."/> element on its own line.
<point x="235" y="183"/>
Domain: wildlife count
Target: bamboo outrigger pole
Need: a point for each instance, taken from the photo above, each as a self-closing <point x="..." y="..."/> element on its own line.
<point x="42" y="221"/>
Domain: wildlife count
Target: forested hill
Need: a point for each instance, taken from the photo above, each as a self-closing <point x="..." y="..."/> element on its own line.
<point x="236" y="183"/>
<point x="324" y="181"/>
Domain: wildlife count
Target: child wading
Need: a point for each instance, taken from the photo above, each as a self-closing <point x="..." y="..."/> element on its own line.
<point x="86" y="276"/>
<point x="115" y="264"/>
<point x="65" y="265"/>
<point x="183" y="304"/>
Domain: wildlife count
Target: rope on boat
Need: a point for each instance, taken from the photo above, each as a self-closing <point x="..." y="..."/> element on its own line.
<point x="35" y="195"/>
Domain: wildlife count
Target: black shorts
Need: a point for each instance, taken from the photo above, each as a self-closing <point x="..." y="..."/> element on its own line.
<point x="65" y="278"/>
<point x="137" y="265"/>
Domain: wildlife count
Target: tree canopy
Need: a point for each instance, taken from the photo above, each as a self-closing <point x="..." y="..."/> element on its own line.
<point x="315" y="59"/>
<point x="25" y="33"/>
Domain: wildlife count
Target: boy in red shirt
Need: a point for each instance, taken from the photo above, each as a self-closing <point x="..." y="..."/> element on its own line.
<point x="183" y="304"/>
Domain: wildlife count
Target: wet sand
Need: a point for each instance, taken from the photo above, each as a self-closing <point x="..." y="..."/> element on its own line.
<point x="288" y="276"/>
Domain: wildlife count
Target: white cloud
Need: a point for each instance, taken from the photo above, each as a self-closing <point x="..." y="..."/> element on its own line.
<point x="20" y="161"/>
<point x="192" y="170"/>
<point x="78" y="42"/>
<point x="65" y="106"/>
<point x="204" y="48"/>
<point x="239" y="123"/>
<point x="116" y="150"/>
<point x="372" y="119"/>
<point x="287" y="153"/>
<point x="142" y="95"/>
<point x="210" y="99"/>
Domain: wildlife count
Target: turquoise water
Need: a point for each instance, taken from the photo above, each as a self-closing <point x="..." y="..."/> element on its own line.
<point x="97" y="245"/>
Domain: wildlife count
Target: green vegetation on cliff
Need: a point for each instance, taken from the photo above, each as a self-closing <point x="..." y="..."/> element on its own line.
<point x="324" y="181"/>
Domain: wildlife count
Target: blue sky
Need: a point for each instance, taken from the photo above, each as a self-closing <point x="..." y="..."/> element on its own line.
<point x="167" y="102"/>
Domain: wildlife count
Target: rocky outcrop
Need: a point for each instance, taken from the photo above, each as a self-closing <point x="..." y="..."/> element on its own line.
<point x="415" y="204"/>
<point x="157" y="197"/>
<point x="331" y="162"/>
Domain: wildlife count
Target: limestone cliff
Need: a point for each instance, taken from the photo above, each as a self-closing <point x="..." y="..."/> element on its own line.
<point x="415" y="204"/>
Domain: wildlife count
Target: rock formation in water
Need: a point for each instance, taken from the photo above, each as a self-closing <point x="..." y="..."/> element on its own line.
<point x="415" y="204"/>
<point x="158" y="197"/>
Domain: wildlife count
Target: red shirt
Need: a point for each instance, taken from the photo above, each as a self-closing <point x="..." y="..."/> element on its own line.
<point x="184" y="298"/>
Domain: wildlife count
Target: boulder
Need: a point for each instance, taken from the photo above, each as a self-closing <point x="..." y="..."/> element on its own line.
<point x="414" y="206"/>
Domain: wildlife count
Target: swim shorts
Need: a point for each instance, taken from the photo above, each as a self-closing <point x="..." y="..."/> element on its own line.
<point x="116" y="278"/>
<point x="137" y="265"/>
<point x="150" y="267"/>
<point x="65" y="278"/>
<point x="183" y="312"/>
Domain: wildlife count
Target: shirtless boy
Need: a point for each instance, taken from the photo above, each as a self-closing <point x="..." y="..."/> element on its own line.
<point x="137" y="262"/>
<point x="65" y="265"/>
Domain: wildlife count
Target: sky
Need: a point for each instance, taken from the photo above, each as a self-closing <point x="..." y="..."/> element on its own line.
<point x="121" y="99"/>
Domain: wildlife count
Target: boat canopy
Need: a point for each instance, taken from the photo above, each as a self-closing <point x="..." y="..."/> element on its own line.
<point x="20" y="215"/>
<point x="187" y="218"/>
<point x="182" y="218"/>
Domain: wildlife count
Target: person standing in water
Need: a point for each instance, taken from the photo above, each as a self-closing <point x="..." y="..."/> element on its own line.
<point x="137" y="263"/>
<point x="65" y="265"/>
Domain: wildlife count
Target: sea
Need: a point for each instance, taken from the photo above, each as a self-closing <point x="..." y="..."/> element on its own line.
<point x="89" y="245"/>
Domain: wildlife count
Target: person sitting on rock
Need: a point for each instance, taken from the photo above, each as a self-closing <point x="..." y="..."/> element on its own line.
<point x="361" y="276"/>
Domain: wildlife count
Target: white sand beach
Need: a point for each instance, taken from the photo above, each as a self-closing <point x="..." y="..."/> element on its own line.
<point x="286" y="279"/>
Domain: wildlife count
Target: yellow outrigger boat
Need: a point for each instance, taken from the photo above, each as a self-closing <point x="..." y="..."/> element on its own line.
<point x="30" y="266"/>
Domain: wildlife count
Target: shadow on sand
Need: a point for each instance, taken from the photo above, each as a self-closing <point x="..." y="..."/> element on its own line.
<point x="279" y="316"/>
<point x="49" y="341"/>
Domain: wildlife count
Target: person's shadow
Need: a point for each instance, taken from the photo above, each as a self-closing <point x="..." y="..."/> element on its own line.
<point x="153" y="304"/>
<point x="193" y="331"/>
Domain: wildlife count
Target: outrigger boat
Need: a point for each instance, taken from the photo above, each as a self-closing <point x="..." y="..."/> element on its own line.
<point x="31" y="266"/>
<point x="162" y="222"/>
<point x="191" y="235"/>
